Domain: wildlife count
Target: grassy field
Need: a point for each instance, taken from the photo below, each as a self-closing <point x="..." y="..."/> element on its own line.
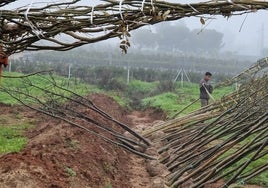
<point x="43" y="81"/>
<point x="172" y="102"/>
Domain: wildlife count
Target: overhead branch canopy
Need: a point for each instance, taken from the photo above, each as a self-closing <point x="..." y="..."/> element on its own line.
<point x="69" y="24"/>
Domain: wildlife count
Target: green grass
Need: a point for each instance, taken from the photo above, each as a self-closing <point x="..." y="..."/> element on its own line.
<point x="168" y="102"/>
<point x="121" y="99"/>
<point x="173" y="102"/>
<point x="139" y="86"/>
<point x="43" y="82"/>
<point x="261" y="179"/>
<point x="11" y="138"/>
<point x="70" y="171"/>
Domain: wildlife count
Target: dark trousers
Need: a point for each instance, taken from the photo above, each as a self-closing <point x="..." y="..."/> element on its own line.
<point x="204" y="102"/>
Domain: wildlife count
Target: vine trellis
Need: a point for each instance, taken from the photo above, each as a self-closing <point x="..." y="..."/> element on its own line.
<point x="68" y="24"/>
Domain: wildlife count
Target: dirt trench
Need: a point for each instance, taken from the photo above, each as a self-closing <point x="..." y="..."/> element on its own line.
<point x="58" y="155"/>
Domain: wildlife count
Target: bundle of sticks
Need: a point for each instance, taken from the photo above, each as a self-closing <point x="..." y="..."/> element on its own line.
<point x="223" y="141"/>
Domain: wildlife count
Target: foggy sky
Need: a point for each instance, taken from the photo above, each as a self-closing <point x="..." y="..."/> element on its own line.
<point x="246" y="42"/>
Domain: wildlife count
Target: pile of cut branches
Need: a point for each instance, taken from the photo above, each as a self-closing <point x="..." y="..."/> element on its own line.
<point x="224" y="140"/>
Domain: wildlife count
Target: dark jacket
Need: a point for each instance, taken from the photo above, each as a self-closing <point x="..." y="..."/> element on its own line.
<point x="203" y="93"/>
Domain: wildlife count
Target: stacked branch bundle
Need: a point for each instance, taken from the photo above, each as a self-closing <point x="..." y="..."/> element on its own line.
<point x="64" y="25"/>
<point x="223" y="141"/>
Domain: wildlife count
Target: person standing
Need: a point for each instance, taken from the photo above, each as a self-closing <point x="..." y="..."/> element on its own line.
<point x="205" y="89"/>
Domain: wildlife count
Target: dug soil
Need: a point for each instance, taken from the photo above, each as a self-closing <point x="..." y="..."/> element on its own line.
<point x="59" y="155"/>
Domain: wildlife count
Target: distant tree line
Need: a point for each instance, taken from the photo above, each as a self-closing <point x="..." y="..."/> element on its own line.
<point x="178" y="37"/>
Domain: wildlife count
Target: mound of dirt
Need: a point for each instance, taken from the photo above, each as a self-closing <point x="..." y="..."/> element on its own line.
<point x="59" y="155"/>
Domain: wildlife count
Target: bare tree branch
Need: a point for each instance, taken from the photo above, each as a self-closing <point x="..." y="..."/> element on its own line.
<point x="5" y="2"/>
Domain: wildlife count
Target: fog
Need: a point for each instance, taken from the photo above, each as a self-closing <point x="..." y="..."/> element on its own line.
<point x="248" y="38"/>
